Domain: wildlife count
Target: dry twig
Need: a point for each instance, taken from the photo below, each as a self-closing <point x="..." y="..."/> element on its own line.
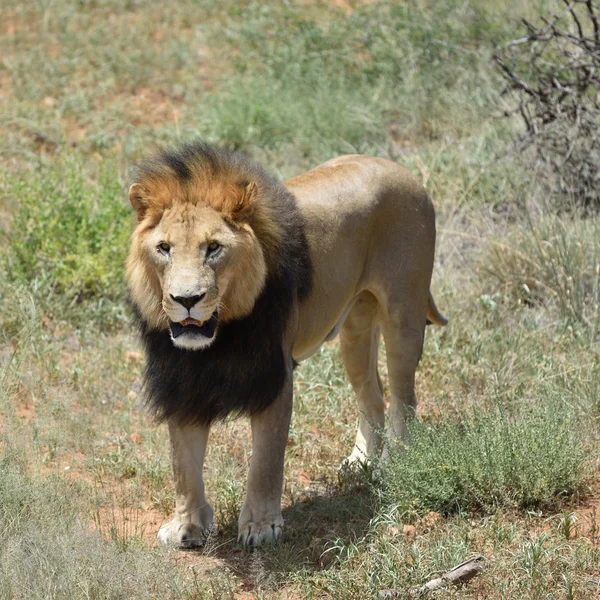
<point x="459" y="574"/>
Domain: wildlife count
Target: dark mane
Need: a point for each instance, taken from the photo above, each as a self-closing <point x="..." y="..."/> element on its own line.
<point x="244" y="369"/>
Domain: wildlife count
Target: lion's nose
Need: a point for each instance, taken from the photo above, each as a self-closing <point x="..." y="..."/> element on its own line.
<point x="188" y="301"/>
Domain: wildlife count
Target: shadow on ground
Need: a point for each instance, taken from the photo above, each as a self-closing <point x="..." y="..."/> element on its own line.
<point x="313" y="525"/>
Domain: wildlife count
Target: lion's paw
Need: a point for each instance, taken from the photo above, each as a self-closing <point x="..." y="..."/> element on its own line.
<point x="183" y="535"/>
<point x="252" y="534"/>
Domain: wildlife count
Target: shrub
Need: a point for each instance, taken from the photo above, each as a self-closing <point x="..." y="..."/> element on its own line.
<point x="489" y="460"/>
<point x="553" y="75"/>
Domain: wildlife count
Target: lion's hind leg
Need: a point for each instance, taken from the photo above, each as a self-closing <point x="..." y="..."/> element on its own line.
<point x="359" y="343"/>
<point x="403" y="335"/>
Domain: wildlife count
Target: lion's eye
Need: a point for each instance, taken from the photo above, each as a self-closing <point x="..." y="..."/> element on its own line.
<point x="213" y="247"/>
<point x="164" y="247"/>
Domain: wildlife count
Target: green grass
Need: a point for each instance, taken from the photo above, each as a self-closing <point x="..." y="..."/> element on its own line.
<point x="351" y="79"/>
<point x="503" y="454"/>
<point x="68" y="241"/>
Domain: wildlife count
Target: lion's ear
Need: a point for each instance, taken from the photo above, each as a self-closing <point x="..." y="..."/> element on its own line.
<point x="137" y="197"/>
<point x="246" y="203"/>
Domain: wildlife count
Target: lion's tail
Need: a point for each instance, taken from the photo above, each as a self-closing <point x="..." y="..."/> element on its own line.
<point x="434" y="316"/>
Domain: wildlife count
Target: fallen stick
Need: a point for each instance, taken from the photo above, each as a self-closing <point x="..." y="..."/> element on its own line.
<point x="459" y="574"/>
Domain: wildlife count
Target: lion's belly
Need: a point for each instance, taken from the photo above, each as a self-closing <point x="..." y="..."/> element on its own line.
<point x="310" y="338"/>
<point x="337" y="227"/>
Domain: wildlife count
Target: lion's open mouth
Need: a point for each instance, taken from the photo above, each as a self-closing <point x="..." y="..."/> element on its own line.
<point x="193" y="327"/>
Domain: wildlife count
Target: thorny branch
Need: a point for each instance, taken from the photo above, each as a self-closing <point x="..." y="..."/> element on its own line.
<point x="552" y="77"/>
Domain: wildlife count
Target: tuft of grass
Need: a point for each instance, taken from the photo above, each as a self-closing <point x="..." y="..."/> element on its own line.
<point x="68" y="242"/>
<point x="553" y="261"/>
<point x="490" y="460"/>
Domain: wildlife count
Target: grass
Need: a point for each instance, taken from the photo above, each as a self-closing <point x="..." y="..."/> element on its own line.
<point x="503" y="454"/>
<point x="49" y="550"/>
<point x="554" y="260"/>
<point x="68" y="241"/>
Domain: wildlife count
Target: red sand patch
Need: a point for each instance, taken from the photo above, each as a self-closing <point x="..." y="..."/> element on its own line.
<point x="587" y="519"/>
<point x="120" y="522"/>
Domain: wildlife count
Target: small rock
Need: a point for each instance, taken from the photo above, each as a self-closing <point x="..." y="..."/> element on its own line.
<point x="304" y="477"/>
<point x="430" y="519"/>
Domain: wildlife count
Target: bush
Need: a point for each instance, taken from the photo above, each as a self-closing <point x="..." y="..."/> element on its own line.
<point x="552" y="73"/>
<point x="68" y="242"/>
<point x="487" y="461"/>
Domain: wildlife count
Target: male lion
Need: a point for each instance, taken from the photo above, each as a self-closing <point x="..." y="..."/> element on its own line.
<point x="234" y="276"/>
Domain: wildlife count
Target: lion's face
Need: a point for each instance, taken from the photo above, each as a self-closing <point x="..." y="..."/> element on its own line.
<point x="191" y="267"/>
<point x="190" y="250"/>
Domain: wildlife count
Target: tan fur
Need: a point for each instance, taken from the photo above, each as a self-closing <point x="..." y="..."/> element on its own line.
<point x="371" y="231"/>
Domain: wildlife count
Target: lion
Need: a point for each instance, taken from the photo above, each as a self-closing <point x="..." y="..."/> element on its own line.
<point x="235" y="277"/>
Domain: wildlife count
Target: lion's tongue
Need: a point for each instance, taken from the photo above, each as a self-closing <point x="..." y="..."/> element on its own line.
<point x="190" y="321"/>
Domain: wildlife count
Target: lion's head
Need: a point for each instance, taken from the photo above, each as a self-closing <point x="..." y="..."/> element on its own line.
<point x="218" y="260"/>
<point x="201" y="250"/>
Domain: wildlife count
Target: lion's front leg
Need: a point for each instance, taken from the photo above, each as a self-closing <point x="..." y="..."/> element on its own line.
<point x="260" y="518"/>
<point x="193" y="518"/>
